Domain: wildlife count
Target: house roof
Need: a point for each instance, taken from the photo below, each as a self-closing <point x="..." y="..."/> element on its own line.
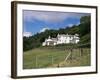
<point x="49" y="40"/>
<point x="67" y="35"/>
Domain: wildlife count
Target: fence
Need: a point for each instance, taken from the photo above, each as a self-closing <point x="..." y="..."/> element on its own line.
<point x="57" y="59"/>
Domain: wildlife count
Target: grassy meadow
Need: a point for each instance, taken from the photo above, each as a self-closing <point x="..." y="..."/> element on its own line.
<point x="54" y="57"/>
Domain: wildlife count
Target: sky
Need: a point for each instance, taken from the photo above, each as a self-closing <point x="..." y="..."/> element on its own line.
<point x="39" y="21"/>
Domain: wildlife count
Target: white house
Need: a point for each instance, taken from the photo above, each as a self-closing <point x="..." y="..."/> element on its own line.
<point x="61" y="39"/>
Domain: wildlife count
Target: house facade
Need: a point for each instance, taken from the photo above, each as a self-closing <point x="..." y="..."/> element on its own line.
<point x="61" y="39"/>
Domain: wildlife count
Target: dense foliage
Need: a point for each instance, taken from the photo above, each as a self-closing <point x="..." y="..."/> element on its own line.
<point x="83" y="29"/>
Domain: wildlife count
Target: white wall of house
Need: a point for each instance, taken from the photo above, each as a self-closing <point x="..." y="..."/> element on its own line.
<point x="61" y="39"/>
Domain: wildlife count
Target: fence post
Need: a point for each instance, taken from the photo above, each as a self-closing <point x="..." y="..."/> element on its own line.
<point x="81" y="51"/>
<point x="58" y="65"/>
<point x="52" y="60"/>
<point x="36" y="64"/>
<point x="71" y="54"/>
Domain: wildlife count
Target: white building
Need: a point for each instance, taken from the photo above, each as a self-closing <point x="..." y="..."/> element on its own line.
<point x="61" y="39"/>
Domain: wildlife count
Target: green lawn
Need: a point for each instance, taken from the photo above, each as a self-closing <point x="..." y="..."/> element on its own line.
<point x="46" y="57"/>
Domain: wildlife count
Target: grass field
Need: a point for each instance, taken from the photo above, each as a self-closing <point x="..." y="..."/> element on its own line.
<point x="46" y="57"/>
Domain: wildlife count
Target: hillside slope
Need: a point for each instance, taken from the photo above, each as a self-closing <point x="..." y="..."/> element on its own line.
<point x="83" y="29"/>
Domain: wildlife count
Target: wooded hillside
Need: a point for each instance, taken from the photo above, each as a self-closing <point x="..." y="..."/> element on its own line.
<point x="83" y="29"/>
